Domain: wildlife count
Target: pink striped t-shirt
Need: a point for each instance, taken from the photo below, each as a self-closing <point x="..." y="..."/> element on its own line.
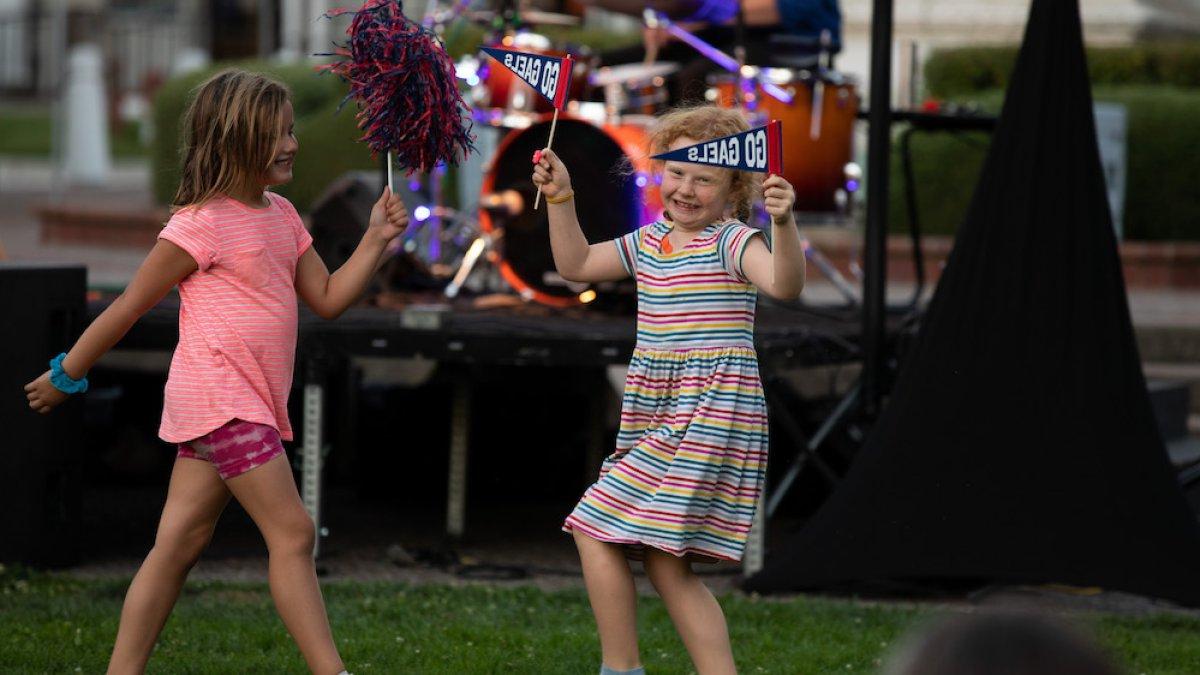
<point x="237" y="317"/>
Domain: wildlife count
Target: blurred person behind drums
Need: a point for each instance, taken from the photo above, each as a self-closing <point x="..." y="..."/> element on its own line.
<point x="782" y="33"/>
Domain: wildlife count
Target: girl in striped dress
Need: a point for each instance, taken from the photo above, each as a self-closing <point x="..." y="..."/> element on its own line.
<point x="691" y="453"/>
<point x="240" y="256"/>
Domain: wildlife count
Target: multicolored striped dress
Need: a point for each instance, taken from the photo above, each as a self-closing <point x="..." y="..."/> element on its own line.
<point x="692" y="448"/>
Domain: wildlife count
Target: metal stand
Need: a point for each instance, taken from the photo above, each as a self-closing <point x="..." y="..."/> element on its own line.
<point x="813" y="255"/>
<point x="456" y="487"/>
<point x="878" y="166"/>
<point x="481" y="244"/>
<point x="808" y="452"/>
<point x="310" y="458"/>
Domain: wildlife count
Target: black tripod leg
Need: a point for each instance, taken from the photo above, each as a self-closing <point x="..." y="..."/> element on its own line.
<point x="809" y="451"/>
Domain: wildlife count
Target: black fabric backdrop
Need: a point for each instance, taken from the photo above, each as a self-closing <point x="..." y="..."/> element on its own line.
<point x="1019" y="443"/>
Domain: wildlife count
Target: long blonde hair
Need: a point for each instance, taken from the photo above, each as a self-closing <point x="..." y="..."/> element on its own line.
<point x="702" y="123"/>
<point x="229" y="134"/>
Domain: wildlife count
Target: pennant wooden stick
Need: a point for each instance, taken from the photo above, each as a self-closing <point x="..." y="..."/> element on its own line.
<point x="553" y="124"/>
<point x="560" y="99"/>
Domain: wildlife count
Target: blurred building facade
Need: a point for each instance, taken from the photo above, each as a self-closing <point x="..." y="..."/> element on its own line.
<point x="145" y="41"/>
<point x="934" y="24"/>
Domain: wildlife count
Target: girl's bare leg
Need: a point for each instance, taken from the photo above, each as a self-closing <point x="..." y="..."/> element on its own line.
<point x="695" y="612"/>
<point x="613" y="596"/>
<point x="268" y="493"/>
<point x="195" y="498"/>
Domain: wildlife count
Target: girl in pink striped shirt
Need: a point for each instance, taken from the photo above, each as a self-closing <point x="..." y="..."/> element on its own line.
<point x="240" y="256"/>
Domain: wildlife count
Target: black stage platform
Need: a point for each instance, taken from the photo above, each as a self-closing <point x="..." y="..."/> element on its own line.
<point x="529" y="334"/>
<point x="467" y="340"/>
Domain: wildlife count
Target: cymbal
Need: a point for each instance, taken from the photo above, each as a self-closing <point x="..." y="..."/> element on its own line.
<point x="632" y="72"/>
<point x="532" y="16"/>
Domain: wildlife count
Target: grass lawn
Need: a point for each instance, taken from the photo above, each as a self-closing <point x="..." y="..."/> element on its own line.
<point x="26" y="132"/>
<point x="50" y="624"/>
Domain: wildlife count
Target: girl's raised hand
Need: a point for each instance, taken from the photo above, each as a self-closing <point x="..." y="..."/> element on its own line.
<point x="42" y="395"/>
<point x="388" y="216"/>
<point x="550" y="174"/>
<point x="779" y="199"/>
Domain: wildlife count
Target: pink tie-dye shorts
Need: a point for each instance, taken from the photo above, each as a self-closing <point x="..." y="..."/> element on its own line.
<point x="235" y="448"/>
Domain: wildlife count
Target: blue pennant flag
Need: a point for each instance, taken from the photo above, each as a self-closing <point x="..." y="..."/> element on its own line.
<point x="549" y="76"/>
<point x="759" y="149"/>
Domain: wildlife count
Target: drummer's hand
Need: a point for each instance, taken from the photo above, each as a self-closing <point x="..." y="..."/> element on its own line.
<point x="779" y="199"/>
<point x="550" y="174"/>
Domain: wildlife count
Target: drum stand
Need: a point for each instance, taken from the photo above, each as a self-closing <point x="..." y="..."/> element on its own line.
<point x="813" y="255"/>
<point x="483" y="243"/>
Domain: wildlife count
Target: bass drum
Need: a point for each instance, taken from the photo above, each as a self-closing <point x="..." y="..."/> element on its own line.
<point x="614" y="194"/>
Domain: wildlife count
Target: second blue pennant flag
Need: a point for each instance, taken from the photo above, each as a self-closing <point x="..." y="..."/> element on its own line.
<point x="759" y="149"/>
<point x="549" y="76"/>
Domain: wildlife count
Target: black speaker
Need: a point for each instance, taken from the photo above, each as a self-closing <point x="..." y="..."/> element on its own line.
<point x="341" y="214"/>
<point x="40" y="455"/>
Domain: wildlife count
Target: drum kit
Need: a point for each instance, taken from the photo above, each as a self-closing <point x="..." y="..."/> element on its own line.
<point x="603" y="137"/>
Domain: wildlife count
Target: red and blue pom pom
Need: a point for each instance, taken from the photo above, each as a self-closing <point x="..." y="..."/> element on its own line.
<point x="404" y="82"/>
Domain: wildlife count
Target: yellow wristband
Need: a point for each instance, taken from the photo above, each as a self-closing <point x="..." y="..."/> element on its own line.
<point x="560" y="198"/>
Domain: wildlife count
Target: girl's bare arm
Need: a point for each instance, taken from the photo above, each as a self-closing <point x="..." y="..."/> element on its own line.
<point x="165" y="266"/>
<point x="575" y="259"/>
<point x="331" y="294"/>
<point x="778" y="272"/>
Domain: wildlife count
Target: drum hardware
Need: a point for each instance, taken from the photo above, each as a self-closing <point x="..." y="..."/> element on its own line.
<point x="814" y="129"/>
<point x="813" y="255"/>
<point x="654" y="19"/>
<point x="481" y="243"/>
<point x="633" y="88"/>
<point x="487" y="17"/>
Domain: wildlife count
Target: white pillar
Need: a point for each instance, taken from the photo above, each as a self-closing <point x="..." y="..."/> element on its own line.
<point x="189" y="59"/>
<point x="292" y="28"/>
<point x="86" y="151"/>
<point x="318" y="28"/>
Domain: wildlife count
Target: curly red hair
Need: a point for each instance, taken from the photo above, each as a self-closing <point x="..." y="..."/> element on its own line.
<point x="702" y="123"/>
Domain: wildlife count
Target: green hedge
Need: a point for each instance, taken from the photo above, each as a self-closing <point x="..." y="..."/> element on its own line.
<point x="327" y="146"/>
<point x="951" y="73"/>
<point x="1161" y="201"/>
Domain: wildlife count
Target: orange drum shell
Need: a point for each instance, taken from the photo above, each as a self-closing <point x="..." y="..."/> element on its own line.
<point x="815" y="168"/>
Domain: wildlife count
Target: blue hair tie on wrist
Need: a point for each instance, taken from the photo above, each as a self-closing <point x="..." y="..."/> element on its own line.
<point x="62" y="381"/>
